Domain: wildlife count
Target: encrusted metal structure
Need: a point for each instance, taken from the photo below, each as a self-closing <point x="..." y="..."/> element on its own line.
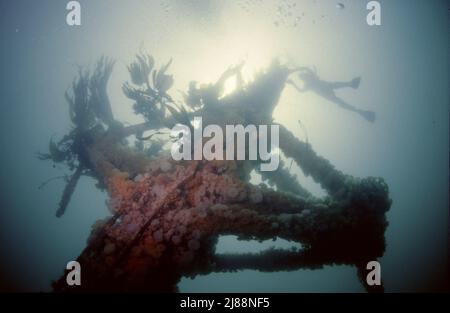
<point x="166" y="216"/>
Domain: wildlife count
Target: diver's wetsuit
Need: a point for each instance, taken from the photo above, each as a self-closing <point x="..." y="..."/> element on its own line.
<point x="326" y="90"/>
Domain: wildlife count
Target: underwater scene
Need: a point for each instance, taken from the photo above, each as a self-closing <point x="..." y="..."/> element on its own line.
<point x="224" y="146"/>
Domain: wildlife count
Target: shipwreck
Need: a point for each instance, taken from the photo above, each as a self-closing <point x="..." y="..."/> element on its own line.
<point x="167" y="215"/>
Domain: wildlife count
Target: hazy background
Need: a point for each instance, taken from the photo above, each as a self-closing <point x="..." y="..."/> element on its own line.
<point x="404" y="66"/>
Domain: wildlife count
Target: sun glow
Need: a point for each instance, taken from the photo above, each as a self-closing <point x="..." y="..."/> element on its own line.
<point x="249" y="48"/>
<point x="230" y="86"/>
<point x="203" y="55"/>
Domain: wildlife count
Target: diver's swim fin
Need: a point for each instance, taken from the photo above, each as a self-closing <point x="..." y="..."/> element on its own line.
<point x="368" y="115"/>
<point x="355" y="82"/>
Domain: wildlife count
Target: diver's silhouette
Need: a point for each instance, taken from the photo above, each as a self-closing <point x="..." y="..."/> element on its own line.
<point x="312" y="82"/>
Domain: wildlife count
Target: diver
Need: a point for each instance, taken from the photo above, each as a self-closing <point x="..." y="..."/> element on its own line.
<point x="209" y="95"/>
<point x="311" y="81"/>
